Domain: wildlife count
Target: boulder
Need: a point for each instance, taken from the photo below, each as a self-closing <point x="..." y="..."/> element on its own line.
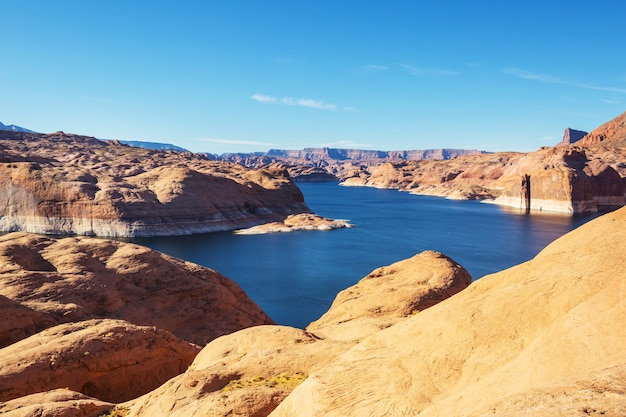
<point x="111" y="360"/>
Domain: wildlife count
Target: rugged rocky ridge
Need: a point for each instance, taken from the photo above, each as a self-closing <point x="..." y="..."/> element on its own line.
<point x="61" y="183"/>
<point x="612" y="132"/>
<point x="571" y="136"/>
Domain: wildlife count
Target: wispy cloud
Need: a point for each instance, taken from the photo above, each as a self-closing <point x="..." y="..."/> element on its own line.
<point x="607" y="101"/>
<point x="300" y="102"/>
<point x="427" y="71"/>
<point x="346" y="144"/>
<point x="547" y="78"/>
<point x="237" y="142"/>
<point x="375" y="68"/>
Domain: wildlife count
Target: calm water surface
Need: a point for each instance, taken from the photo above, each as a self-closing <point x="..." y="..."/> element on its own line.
<point x="295" y="276"/>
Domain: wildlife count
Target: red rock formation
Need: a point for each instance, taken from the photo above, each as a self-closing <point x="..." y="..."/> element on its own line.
<point x="74" y="279"/>
<point x="613" y="132"/>
<point x="112" y="360"/>
<point x="560" y="179"/>
<point x="62" y="184"/>
<point x="251" y="371"/>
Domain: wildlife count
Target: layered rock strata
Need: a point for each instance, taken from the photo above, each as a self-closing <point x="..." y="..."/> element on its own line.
<point x="69" y="184"/>
<point x="560" y="180"/>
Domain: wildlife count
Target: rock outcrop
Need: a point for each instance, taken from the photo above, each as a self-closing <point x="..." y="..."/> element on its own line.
<point x="251" y="371"/>
<point x="541" y="338"/>
<point x="612" y="132"/>
<point x="69" y="184"/>
<point x="560" y="179"/>
<point x="111" y="360"/>
<point x="571" y="136"/>
<point x="297" y="222"/>
<point x="390" y="294"/>
<point x="81" y="278"/>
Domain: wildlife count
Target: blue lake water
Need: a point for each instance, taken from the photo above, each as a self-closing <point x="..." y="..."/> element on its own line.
<point x="295" y="276"/>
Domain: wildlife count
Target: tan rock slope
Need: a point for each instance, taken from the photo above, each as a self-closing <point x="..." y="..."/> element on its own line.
<point x="112" y="360"/>
<point x="250" y="372"/>
<point x="542" y="338"/>
<point x="57" y="403"/>
<point x="80" y="278"/>
<point x="69" y="184"/>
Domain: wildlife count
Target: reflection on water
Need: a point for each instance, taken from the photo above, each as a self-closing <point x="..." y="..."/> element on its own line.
<point x="295" y="276"/>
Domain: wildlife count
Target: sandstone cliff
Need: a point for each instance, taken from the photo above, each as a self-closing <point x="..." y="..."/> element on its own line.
<point x="561" y="180"/>
<point x="69" y="184"/>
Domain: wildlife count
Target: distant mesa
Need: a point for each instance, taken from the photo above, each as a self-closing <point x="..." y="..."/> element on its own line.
<point x="153" y="145"/>
<point x="572" y="136"/>
<point x="14" y="128"/>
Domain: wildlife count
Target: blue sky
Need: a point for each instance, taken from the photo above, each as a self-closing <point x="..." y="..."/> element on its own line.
<point x="238" y="76"/>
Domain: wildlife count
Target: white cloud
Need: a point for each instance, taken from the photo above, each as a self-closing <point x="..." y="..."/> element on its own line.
<point x="607" y="101"/>
<point x="375" y="68"/>
<point x="263" y="98"/>
<point x="547" y="78"/>
<point x="427" y="72"/>
<point x="237" y="142"/>
<point x="346" y="144"/>
<point x="299" y="102"/>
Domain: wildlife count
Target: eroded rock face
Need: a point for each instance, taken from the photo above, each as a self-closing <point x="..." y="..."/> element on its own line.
<point x="541" y="338"/>
<point x="560" y="180"/>
<point x="111" y="360"/>
<point x="69" y="184"/>
<point x="612" y="132"/>
<point x="80" y="278"/>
